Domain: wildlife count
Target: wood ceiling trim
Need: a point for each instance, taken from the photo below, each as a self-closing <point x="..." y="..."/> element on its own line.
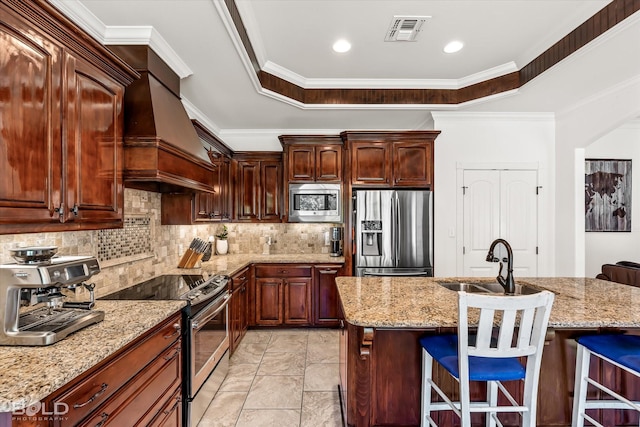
<point x="609" y="16"/>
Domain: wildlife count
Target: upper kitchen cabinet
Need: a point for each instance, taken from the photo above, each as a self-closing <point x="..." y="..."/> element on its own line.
<point x="62" y="121"/>
<point x="258" y="191"/>
<point x="312" y="158"/>
<point x="390" y="159"/>
<point x="197" y="207"/>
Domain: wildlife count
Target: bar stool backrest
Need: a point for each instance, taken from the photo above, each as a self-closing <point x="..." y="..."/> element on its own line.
<point x="528" y="313"/>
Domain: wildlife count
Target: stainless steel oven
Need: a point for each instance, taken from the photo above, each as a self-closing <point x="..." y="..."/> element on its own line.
<point x="205" y="333"/>
<point x="209" y="354"/>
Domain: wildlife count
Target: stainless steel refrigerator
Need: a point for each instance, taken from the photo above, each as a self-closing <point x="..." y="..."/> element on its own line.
<point x="393" y="233"/>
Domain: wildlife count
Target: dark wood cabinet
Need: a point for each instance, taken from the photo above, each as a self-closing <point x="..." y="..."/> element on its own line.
<point x="141" y="384"/>
<point x="391" y="159"/>
<point x="412" y="164"/>
<point x="283" y="295"/>
<point x="258" y="192"/>
<point x="312" y="158"/>
<point x="238" y="313"/>
<point x="201" y="207"/>
<point x="94" y="148"/>
<point x="62" y="124"/>
<point x="370" y="163"/>
<point x="325" y="295"/>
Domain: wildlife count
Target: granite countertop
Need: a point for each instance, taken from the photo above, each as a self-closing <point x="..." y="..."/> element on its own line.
<point x="232" y="263"/>
<point x="386" y="302"/>
<point x="29" y="374"/>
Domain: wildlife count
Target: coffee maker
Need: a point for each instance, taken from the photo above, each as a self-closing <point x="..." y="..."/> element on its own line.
<point x="39" y="284"/>
<point x="336" y="235"/>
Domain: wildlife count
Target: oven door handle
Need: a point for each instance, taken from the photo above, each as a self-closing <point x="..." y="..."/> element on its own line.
<point x="205" y="317"/>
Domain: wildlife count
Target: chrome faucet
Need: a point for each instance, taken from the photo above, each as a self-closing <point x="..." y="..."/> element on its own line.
<point x="507" y="283"/>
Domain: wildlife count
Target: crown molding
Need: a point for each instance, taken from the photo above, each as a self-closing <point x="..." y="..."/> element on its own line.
<point x="82" y="16"/>
<point x="124" y="35"/>
<point x="147" y="35"/>
<point x="194" y="113"/>
<point x="312" y="83"/>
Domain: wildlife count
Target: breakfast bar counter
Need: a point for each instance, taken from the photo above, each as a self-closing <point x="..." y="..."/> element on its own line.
<point x="380" y="357"/>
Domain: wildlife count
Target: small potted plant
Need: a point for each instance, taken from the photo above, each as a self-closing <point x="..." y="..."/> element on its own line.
<point x="222" y="246"/>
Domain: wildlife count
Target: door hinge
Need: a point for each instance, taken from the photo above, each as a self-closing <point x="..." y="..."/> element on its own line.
<point x="464" y="250"/>
<point x="538" y="189"/>
<point x="464" y="190"/>
<point x="536" y="250"/>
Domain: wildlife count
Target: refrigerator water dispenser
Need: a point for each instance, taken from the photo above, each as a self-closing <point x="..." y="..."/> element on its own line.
<point x="371" y="238"/>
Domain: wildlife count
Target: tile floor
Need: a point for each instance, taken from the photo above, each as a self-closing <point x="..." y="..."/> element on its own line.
<point x="283" y="378"/>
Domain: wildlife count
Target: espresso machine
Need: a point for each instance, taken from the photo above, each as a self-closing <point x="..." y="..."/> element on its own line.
<point x="32" y="307"/>
<point x="336" y="234"/>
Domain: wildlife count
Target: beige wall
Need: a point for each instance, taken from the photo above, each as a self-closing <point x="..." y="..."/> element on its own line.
<point x="163" y="245"/>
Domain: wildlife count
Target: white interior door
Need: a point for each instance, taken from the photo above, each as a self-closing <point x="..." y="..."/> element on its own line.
<point x="500" y="204"/>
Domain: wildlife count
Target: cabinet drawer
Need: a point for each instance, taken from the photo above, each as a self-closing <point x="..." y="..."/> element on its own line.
<point x="142" y="398"/>
<point x="239" y="279"/>
<point x="170" y="414"/>
<point x="94" y="389"/>
<point x="283" y="271"/>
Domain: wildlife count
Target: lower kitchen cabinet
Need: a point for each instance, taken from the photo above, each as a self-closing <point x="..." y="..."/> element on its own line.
<point x="238" y="308"/>
<point x="283" y="295"/>
<point x="139" y="385"/>
<point x="325" y="295"/>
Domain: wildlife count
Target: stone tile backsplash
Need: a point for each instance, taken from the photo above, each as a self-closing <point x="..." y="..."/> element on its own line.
<point x="144" y="248"/>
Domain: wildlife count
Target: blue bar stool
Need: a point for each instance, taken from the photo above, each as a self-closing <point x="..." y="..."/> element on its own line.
<point x="622" y="351"/>
<point x="521" y="325"/>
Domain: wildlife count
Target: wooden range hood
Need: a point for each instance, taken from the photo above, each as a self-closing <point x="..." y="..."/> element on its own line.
<point x="162" y="151"/>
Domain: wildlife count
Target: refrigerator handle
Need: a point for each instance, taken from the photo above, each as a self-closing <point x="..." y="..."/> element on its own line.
<point x="396" y="231"/>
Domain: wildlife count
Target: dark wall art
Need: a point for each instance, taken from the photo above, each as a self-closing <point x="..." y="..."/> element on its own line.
<point x="607" y="195"/>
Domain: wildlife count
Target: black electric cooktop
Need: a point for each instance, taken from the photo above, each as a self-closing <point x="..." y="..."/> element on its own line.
<point x="171" y="287"/>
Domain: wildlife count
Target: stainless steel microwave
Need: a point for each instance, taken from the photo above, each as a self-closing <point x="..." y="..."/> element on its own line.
<point x="315" y="203"/>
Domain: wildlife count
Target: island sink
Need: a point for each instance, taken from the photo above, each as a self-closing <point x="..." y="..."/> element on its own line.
<point x="488" y="288"/>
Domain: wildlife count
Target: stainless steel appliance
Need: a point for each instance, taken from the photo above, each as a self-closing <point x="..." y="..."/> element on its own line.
<point x="205" y="336"/>
<point x="393" y="233"/>
<point x="336" y="235"/>
<point x="315" y="203"/>
<point x="38" y="281"/>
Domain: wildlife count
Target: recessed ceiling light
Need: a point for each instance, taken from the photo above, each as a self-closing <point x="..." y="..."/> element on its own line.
<point x="341" y="46"/>
<point x="453" y="47"/>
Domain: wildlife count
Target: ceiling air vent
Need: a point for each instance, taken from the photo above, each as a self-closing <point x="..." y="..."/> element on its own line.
<point x="405" y="28"/>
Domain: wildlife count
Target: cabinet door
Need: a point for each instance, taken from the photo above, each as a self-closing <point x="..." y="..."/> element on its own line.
<point x="301" y="163"/>
<point x="412" y="164"/>
<point x="325" y="295"/>
<point x="268" y="301"/>
<point x="370" y="163"/>
<point x="271" y="190"/>
<point x="247" y="198"/>
<point x="30" y="137"/>
<point x="202" y="206"/>
<point x="297" y="301"/>
<point x="94" y="188"/>
<point x="329" y="163"/>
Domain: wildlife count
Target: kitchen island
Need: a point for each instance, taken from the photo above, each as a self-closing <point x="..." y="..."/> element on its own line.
<point x="380" y="358"/>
